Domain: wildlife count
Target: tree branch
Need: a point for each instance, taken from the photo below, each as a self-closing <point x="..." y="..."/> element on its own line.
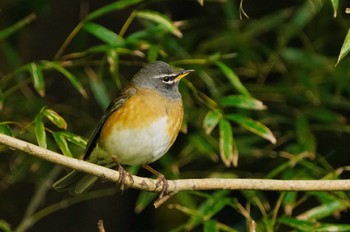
<point x="175" y="186"/>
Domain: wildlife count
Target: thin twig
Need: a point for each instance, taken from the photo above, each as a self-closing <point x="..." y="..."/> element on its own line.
<point x="175" y="186"/>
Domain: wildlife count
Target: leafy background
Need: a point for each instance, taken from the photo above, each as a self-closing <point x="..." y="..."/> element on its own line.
<point x="267" y="100"/>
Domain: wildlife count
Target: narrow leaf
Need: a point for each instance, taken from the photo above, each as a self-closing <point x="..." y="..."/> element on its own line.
<point x="38" y="79"/>
<point x="144" y="199"/>
<point x="243" y="102"/>
<point x="75" y="139"/>
<point x="5" y="129"/>
<point x="104" y="34"/>
<point x="345" y="48"/>
<point x="210" y="121"/>
<point x="210" y="226"/>
<point x="335" y="4"/>
<point x="253" y="126"/>
<point x="39" y="130"/>
<point x="305" y="135"/>
<point x="233" y="78"/>
<point x="228" y="147"/>
<point x="17" y="26"/>
<point x="62" y="143"/>
<point x="119" y="5"/>
<point x="55" y="118"/>
<point x="160" y="19"/>
<point x="72" y="79"/>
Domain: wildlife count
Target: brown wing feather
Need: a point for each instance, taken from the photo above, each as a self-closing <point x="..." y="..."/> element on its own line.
<point x="118" y="102"/>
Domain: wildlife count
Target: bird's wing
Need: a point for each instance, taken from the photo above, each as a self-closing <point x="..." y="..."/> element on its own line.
<point x="115" y="105"/>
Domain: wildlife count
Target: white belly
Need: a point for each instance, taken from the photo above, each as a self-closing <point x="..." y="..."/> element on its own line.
<point x="136" y="147"/>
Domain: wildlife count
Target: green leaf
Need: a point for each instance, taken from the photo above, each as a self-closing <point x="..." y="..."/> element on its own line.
<point x="160" y="19"/>
<point x="233" y="78"/>
<point x="5" y="129"/>
<point x="210" y="226"/>
<point x="335" y="4"/>
<point x="315" y="226"/>
<point x="55" y="118"/>
<point x="99" y="90"/>
<point x="228" y="147"/>
<point x="39" y="130"/>
<point x="104" y="34"/>
<point x="4" y="226"/>
<point x="144" y="199"/>
<point x="38" y="79"/>
<point x="62" y="143"/>
<point x="153" y="53"/>
<point x="210" y="121"/>
<point x="324" y="210"/>
<point x="17" y="26"/>
<point x="243" y="102"/>
<point x="253" y="126"/>
<point x="345" y="48"/>
<point x="75" y="139"/>
<point x="305" y="135"/>
<point x="118" y="5"/>
<point x="72" y="79"/>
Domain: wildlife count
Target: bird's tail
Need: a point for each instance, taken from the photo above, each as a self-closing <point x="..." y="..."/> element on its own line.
<point x="75" y="183"/>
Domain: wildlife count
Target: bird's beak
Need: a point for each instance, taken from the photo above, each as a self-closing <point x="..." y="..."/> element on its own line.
<point x="181" y="74"/>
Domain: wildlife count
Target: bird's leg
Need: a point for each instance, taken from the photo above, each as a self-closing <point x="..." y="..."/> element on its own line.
<point x="122" y="173"/>
<point x="161" y="179"/>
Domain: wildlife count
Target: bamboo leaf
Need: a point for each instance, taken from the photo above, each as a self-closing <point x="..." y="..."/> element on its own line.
<point x="210" y="121"/>
<point x="335" y="4"/>
<point x="72" y="79"/>
<point x="160" y="19"/>
<point x="144" y="199"/>
<point x="253" y="126"/>
<point x="243" y="102"/>
<point x="17" y="26"/>
<point x="38" y="78"/>
<point x="233" y="78"/>
<point x="228" y="147"/>
<point x="305" y="135"/>
<point x="62" y="143"/>
<point x="5" y="129"/>
<point x="118" y="5"/>
<point x="75" y="139"/>
<point x="345" y="48"/>
<point x="39" y="130"/>
<point x="104" y="34"/>
<point x="55" y="118"/>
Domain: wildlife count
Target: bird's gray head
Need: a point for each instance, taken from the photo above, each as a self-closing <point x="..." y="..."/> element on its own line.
<point x="161" y="77"/>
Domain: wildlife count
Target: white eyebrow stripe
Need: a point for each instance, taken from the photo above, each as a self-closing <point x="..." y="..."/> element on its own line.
<point x="165" y="75"/>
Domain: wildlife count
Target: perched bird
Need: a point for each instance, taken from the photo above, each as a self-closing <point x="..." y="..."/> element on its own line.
<point x="138" y="128"/>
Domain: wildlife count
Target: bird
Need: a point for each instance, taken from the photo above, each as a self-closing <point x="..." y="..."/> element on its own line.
<point x="139" y="127"/>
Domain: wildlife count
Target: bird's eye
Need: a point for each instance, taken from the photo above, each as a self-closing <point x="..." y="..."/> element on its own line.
<point x="166" y="79"/>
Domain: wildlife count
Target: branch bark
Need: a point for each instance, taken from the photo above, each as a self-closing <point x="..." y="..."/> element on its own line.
<point x="175" y="186"/>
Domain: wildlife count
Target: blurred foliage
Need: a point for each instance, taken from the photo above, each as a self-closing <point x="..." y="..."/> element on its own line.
<point x="269" y="99"/>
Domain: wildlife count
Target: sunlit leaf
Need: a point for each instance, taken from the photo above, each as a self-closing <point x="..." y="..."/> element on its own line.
<point x="62" y="143"/>
<point x="104" y="34"/>
<point x="38" y="78"/>
<point x="254" y="126"/>
<point x="210" y="121"/>
<point x="75" y="139"/>
<point x="4" y="226"/>
<point x="228" y="147"/>
<point x="243" y="102"/>
<point x="39" y="130"/>
<point x="345" y="48"/>
<point x="324" y="210"/>
<point x="54" y="117"/>
<point x="233" y="78"/>
<point x="161" y="19"/>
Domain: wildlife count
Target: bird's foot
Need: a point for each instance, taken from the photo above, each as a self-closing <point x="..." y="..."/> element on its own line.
<point x="161" y="181"/>
<point x="122" y="174"/>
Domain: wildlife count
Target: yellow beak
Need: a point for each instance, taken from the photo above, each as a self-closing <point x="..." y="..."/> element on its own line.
<point x="182" y="74"/>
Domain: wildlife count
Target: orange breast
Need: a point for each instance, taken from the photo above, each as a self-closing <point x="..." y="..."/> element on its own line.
<point x="141" y="110"/>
